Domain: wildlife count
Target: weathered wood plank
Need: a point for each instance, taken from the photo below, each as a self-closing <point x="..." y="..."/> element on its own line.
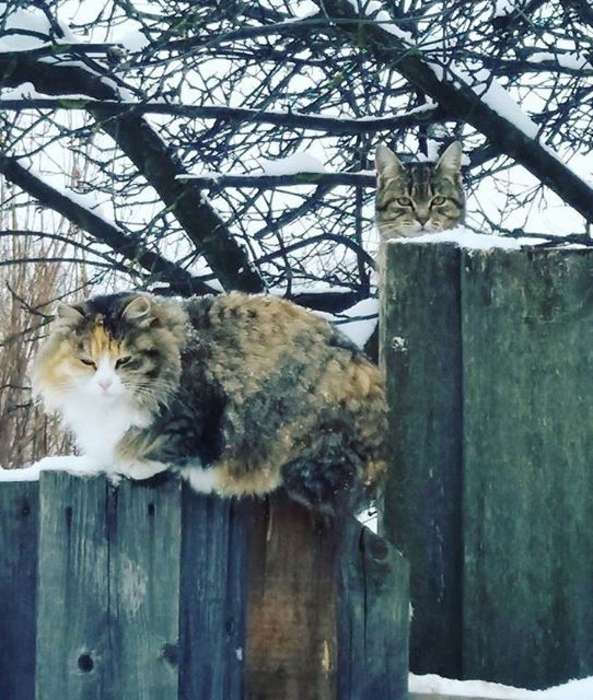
<point x="373" y="617"/>
<point x="19" y="516"/>
<point x="327" y="609"/>
<point x="144" y="574"/>
<point x="264" y="601"/>
<point x="291" y="623"/>
<point x="108" y="589"/>
<point x="528" y="452"/>
<point x="73" y="647"/>
<point x="212" y="607"/>
<point x="421" y="355"/>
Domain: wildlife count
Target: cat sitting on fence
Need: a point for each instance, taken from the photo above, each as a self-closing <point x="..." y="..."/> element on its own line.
<point x="239" y="393"/>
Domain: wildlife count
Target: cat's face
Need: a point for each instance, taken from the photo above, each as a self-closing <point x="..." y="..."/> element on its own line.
<point x="113" y="350"/>
<point x="418" y="198"/>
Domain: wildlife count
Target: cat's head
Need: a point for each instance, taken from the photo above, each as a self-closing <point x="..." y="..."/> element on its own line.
<point x="417" y="198"/>
<point x="116" y="349"/>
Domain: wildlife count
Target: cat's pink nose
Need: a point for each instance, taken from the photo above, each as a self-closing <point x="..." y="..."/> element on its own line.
<point x="104" y="384"/>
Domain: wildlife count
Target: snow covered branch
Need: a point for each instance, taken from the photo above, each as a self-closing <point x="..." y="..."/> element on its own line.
<point x="479" y="102"/>
<point x="264" y="181"/>
<point x="64" y="202"/>
<point x="153" y="158"/>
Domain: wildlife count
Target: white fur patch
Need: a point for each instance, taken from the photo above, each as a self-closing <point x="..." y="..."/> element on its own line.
<point x="144" y="469"/>
<point x="202" y="480"/>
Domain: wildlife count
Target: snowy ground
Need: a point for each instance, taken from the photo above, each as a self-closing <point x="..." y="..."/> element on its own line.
<point x="575" y="690"/>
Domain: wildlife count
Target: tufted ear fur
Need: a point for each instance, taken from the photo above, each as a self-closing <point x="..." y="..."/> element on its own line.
<point x="387" y="163"/>
<point x="139" y="311"/>
<point x="69" y="315"/>
<point x="449" y="164"/>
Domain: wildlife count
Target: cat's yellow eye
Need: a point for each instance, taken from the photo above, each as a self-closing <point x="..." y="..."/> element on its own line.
<point x="404" y="201"/>
<point x="438" y="200"/>
<point x="87" y="362"/>
<point x="122" y="361"/>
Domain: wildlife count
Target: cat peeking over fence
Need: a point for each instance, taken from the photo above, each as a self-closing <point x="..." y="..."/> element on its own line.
<point x="240" y="394"/>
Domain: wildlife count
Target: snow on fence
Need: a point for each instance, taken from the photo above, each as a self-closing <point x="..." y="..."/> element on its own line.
<point x="489" y="359"/>
<point x="148" y="590"/>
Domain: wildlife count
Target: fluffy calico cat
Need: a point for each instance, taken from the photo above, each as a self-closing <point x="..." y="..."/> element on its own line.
<point x="417" y="198"/>
<point x="239" y="393"/>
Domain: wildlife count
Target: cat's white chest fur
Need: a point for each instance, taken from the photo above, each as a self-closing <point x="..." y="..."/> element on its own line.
<point x="98" y="426"/>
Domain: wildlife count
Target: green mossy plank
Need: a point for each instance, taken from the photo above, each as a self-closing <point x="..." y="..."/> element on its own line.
<point x="144" y="572"/>
<point x="74" y="658"/>
<point x="19" y="517"/>
<point x="421" y="356"/>
<point x="212" y="608"/>
<point x="108" y="589"/>
<point x="528" y="475"/>
<point x="373" y="617"/>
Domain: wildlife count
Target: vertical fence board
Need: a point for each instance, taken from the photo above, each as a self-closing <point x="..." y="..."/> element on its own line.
<point x="19" y="511"/>
<point x="528" y="477"/>
<point x="144" y="570"/>
<point x="212" y="609"/>
<point x="291" y="620"/>
<point x="373" y="617"/>
<point x="421" y="355"/>
<point x="73" y="656"/>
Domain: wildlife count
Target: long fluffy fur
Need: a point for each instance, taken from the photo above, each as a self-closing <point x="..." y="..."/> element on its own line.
<point x="240" y="393"/>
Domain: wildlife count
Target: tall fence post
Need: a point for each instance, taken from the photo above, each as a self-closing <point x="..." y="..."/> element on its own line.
<point x="506" y="498"/>
<point x="421" y="356"/>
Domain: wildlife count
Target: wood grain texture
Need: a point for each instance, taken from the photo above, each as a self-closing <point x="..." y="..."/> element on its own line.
<point x="528" y="477"/>
<point x="73" y="622"/>
<point x="149" y="591"/>
<point x="19" y="517"/>
<point x="291" y="626"/>
<point x="144" y="575"/>
<point x="108" y="589"/>
<point x="373" y="617"/>
<point x="212" y="598"/>
<point x="421" y="356"/>
<point x="327" y="609"/>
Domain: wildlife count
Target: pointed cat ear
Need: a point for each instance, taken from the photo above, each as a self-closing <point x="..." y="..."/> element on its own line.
<point x="139" y="311"/>
<point x="387" y="163"/>
<point x="69" y="314"/>
<point x="449" y="164"/>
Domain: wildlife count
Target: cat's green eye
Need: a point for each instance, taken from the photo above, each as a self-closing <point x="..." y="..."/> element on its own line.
<point x="123" y="361"/>
<point x="88" y="363"/>
<point x="438" y="200"/>
<point x="404" y="201"/>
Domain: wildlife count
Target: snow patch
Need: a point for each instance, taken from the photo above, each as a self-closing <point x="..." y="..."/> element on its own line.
<point x="468" y="239"/>
<point x="302" y="162"/>
<point x="80" y="465"/>
<point x="573" y="690"/>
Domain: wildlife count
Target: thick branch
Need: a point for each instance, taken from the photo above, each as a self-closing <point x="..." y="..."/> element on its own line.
<point x="463" y="103"/>
<point x="269" y="182"/>
<point x="331" y="126"/>
<point x="132" y="250"/>
<point x="152" y="157"/>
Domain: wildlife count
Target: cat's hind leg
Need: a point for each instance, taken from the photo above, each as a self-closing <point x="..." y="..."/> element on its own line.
<point x="326" y="476"/>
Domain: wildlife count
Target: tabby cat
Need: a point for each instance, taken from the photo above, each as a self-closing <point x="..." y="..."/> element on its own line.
<point x="417" y="198"/>
<point x="239" y="393"/>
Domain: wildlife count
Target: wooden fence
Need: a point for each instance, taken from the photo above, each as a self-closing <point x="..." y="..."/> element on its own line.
<point x="489" y="359"/>
<point x="148" y="591"/>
